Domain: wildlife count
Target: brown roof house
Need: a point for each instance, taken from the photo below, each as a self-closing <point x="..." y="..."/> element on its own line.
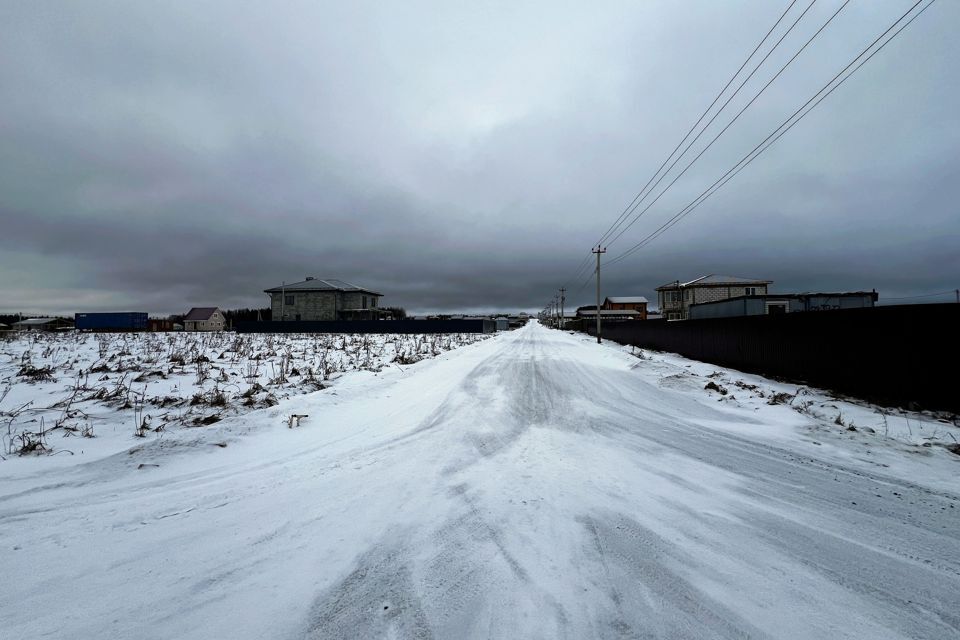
<point x="627" y="303"/>
<point x="204" y="319"/>
<point x="676" y="297"/>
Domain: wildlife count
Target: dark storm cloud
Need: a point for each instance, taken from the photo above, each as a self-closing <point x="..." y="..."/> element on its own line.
<point x="455" y="157"/>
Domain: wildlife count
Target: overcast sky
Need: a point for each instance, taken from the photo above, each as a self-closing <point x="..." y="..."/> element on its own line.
<point x="457" y="156"/>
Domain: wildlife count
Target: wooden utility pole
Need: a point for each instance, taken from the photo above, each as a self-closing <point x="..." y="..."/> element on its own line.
<point x="598" y="251"/>
<point x="563" y="298"/>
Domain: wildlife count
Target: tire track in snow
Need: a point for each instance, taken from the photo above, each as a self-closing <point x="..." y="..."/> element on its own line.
<point x="537" y="488"/>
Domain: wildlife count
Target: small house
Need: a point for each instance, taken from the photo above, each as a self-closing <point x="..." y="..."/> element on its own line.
<point x="204" y="319"/>
<point x="626" y="303"/>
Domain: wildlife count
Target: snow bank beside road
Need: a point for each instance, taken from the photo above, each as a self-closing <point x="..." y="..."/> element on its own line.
<point x="845" y="428"/>
<point x="532" y="485"/>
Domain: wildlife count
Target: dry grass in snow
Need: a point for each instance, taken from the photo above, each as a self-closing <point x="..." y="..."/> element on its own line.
<point x="58" y="389"/>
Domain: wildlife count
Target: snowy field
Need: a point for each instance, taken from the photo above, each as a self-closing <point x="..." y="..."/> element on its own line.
<point x="89" y="395"/>
<point x="533" y="485"/>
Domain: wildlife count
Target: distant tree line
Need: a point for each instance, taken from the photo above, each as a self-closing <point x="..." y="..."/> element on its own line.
<point x="246" y="315"/>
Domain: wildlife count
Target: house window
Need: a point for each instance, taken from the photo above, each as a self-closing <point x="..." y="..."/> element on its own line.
<point x="289" y="300"/>
<point x="373" y="302"/>
<point x="749" y="291"/>
<point x="364" y="302"/>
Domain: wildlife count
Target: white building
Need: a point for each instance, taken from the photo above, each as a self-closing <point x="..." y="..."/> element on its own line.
<point x="676" y="297"/>
<point x="204" y="319"/>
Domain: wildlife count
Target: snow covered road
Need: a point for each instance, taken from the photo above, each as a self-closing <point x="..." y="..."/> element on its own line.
<point x="535" y="485"/>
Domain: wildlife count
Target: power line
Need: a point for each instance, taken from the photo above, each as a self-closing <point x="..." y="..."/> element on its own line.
<point x="735" y="118"/>
<point x="723" y="180"/>
<point x="583" y="264"/>
<point x="787" y="124"/>
<point x="630" y="207"/>
<point x="771" y="139"/>
<point x="702" y="131"/>
<point x="587" y="281"/>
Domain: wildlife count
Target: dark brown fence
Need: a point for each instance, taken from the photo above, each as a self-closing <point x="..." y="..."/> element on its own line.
<point x="369" y="326"/>
<point x="901" y="355"/>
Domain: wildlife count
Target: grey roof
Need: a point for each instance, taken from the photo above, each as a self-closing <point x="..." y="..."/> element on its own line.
<point x="627" y="299"/>
<point x="318" y="284"/>
<point x="34" y="322"/>
<point x="714" y="279"/>
<point x="199" y="314"/>
<point x="608" y="312"/>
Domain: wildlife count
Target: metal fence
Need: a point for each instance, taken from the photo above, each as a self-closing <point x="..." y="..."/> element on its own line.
<point x="898" y="355"/>
<point x="369" y="326"/>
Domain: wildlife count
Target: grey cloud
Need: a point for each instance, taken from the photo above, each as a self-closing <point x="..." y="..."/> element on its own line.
<point x="453" y="157"/>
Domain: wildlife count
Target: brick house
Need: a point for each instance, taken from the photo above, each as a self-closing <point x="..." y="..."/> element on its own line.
<point x="323" y="299"/>
<point x="675" y="298"/>
<point x="204" y="319"/>
<point x="627" y="303"/>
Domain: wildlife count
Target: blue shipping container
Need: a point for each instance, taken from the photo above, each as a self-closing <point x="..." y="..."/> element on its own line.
<point x="120" y="321"/>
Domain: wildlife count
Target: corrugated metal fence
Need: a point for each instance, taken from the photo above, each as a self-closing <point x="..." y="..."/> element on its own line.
<point x="902" y="355"/>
